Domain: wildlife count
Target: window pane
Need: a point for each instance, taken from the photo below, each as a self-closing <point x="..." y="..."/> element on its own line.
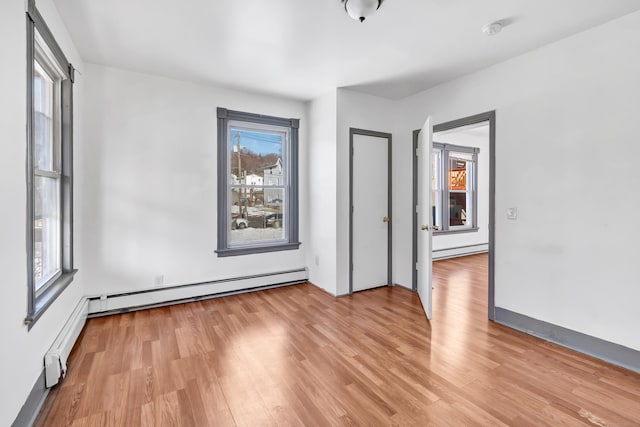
<point x="460" y="177"/>
<point x="460" y="208"/>
<point x="436" y="207"/>
<point x="46" y="251"/>
<point x="457" y="209"/>
<point x="458" y="174"/>
<point x="468" y="212"/>
<point x="435" y="170"/>
<point x="43" y="96"/>
<point x="252" y="220"/>
<point x="436" y="187"/>
<point x="257" y="157"/>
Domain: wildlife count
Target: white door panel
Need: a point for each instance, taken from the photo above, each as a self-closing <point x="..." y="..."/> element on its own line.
<point x="425" y="222"/>
<point x="370" y="207"/>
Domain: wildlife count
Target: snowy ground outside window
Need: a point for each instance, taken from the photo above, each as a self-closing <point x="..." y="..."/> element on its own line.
<point x="256" y="234"/>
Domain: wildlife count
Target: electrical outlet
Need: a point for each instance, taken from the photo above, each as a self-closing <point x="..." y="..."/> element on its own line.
<point x="158" y="280"/>
<point x="512" y="213"/>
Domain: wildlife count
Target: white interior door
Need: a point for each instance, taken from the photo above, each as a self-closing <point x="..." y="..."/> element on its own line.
<point x="425" y="222"/>
<point x="370" y="198"/>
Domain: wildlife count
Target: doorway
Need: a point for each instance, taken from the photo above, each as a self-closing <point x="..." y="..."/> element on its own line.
<point x="370" y="217"/>
<point x="455" y="206"/>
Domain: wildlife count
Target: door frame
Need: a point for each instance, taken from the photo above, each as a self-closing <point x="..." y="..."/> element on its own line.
<point x="489" y="116"/>
<point x="365" y="132"/>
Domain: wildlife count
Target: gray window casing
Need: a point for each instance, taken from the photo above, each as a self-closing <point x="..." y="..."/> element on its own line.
<point x="37" y="305"/>
<point x="444" y="168"/>
<point x="224" y="116"/>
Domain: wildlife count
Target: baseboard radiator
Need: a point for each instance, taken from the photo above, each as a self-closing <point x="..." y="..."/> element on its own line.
<point x="55" y="361"/>
<point x="459" y="251"/>
<point x="157" y="297"/>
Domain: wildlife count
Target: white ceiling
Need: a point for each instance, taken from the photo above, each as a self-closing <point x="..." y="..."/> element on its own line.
<point x="303" y="48"/>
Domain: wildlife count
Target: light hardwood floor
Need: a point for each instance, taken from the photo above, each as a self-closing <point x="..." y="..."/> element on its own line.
<point x="297" y="356"/>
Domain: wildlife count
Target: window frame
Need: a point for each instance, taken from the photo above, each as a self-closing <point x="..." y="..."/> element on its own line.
<point x="291" y="241"/>
<point x="39" y="298"/>
<point x="444" y="212"/>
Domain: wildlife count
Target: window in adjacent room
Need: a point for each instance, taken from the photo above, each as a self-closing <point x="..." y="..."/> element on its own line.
<point x="437" y="188"/>
<point x="257" y="183"/>
<point x="49" y="168"/>
<point x="454" y="186"/>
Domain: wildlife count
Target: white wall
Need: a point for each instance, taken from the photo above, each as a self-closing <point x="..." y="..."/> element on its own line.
<point x="151" y="181"/>
<point x="564" y="112"/>
<point x="362" y="111"/>
<point x="481" y="237"/>
<point x="22" y="364"/>
<point x="321" y="167"/>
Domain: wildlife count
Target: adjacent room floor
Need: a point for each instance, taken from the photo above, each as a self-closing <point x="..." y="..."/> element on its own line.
<point x="298" y="356"/>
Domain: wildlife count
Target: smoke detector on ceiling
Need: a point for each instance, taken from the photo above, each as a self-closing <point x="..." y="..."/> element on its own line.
<point x="492" y="29"/>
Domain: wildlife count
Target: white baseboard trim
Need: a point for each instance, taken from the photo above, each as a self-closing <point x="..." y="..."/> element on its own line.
<point x="156" y="297"/>
<point x="458" y="251"/>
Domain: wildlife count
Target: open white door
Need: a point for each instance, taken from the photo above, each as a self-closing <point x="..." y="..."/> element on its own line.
<point x="425" y="146"/>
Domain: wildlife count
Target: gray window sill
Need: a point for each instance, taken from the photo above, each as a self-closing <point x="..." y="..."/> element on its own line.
<point x="49" y="296"/>
<point x="460" y="231"/>
<point x="257" y="249"/>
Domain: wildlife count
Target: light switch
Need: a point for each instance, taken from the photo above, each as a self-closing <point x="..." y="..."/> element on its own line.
<point x="512" y="213"/>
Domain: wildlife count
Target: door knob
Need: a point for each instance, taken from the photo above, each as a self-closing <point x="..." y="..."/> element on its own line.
<point x="386" y="219"/>
<point x="435" y="228"/>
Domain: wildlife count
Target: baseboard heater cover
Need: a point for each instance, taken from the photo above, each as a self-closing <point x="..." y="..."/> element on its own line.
<point x="55" y="361"/>
<point x="459" y="251"/>
<point x="157" y="297"/>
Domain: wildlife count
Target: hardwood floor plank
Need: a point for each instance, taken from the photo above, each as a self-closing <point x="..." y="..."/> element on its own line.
<point x="296" y="356"/>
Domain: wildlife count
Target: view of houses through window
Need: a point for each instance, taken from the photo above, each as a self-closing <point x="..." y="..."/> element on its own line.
<point x="258" y="183"/>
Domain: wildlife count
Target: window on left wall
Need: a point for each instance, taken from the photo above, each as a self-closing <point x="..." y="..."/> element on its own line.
<point x="49" y="167"/>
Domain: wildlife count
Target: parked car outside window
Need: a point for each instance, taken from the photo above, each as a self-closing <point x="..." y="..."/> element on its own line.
<point x="274" y="220"/>
<point x="239" y="223"/>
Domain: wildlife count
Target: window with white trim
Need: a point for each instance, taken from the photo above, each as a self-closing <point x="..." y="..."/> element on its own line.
<point x="454" y="188"/>
<point x="257" y="183"/>
<point x="49" y="168"/>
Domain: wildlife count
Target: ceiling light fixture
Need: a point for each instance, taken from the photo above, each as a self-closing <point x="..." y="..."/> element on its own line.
<point x="360" y="9"/>
<point x="492" y="29"/>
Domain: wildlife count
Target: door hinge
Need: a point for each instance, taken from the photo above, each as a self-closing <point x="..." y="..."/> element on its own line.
<point x="417" y="152"/>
